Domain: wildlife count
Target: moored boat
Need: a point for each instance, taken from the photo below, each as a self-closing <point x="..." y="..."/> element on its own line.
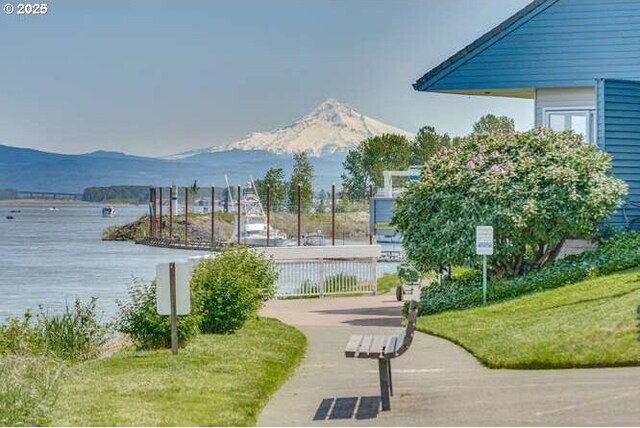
<point x="108" y="211"/>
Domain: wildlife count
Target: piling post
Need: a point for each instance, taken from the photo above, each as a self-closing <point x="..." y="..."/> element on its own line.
<point x="171" y="213"/>
<point x="151" y="207"/>
<point x="213" y="216"/>
<point x="239" y="215"/>
<point x="268" y="213"/>
<point x="299" y="214"/>
<point x="160" y="214"/>
<point x="333" y="214"/>
<point x="186" y="215"/>
<point x="370" y="224"/>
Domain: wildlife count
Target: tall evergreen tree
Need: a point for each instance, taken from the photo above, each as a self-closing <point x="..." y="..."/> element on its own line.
<point x="275" y="179"/>
<point x="302" y="175"/>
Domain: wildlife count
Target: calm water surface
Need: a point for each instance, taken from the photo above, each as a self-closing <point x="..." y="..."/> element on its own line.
<point x="53" y="256"/>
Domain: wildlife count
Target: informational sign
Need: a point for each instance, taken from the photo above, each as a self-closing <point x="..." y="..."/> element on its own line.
<point x="484" y="240"/>
<point x="163" y="291"/>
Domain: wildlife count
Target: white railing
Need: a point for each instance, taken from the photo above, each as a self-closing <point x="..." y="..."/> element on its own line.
<point x="325" y="277"/>
<point x="322" y="271"/>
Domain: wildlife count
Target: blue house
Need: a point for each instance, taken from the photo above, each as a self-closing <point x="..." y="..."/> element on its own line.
<point x="579" y="60"/>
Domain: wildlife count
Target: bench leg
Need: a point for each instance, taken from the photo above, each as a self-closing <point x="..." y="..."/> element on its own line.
<point x="383" y="369"/>
<point x="390" y="379"/>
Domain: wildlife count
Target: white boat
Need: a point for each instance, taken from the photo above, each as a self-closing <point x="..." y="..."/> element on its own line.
<point x="313" y="240"/>
<point x="253" y="220"/>
<point x="389" y="239"/>
<point x="108" y="212"/>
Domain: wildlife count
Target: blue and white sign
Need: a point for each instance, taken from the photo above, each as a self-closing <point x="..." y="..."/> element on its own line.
<point x="484" y="240"/>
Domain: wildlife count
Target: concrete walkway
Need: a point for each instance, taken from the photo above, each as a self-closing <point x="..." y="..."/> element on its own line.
<point x="435" y="382"/>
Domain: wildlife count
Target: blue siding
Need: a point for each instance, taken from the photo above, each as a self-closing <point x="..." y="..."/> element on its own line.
<point x="619" y="132"/>
<point x="561" y="43"/>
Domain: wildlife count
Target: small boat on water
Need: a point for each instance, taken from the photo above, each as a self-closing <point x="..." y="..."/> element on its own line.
<point x="108" y="212"/>
<point x="313" y="240"/>
<point x="54" y="209"/>
<point x="10" y="217"/>
<point x="15" y="211"/>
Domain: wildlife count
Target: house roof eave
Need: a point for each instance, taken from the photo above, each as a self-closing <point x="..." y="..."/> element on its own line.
<point x="456" y="60"/>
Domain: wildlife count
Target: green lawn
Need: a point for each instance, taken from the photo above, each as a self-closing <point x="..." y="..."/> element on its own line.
<point x="591" y="323"/>
<point x="216" y="380"/>
<point x="387" y="282"/>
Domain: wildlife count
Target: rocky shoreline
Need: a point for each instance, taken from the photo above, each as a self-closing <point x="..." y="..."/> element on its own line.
<point x="354" y="225"/>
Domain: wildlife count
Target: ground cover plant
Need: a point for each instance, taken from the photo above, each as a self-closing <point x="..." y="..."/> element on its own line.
<point x="587" y="324"/>
<point x="29" y="387"/>
<point x="536" y="188"/>
<point x="33" y="355"/>
<point x="463" y="290"/>
<point x="217" y="380"/>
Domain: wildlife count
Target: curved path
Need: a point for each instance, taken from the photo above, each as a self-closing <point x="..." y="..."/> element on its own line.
<point x="435" y="382"/>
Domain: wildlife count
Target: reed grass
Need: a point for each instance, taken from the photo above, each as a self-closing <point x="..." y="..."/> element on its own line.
<point x="29" y="387"/>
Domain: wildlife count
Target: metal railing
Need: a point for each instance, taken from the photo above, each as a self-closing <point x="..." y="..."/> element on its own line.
<point x="324" y="277"/>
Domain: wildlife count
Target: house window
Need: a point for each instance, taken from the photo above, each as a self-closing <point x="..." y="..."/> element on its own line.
<point x="582" y="121"/>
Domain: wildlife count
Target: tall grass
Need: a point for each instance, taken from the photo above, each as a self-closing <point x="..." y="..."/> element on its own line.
<point x="29" y="387"/>
<point x="75" y="335"/>
<point x="31" y="351"/>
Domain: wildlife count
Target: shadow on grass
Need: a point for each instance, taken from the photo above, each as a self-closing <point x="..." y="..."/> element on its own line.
<point x="348" y="408"/>
<point x="608" y="297"/>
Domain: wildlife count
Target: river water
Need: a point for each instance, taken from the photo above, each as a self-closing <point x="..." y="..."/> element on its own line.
<point x="53" y="256"/>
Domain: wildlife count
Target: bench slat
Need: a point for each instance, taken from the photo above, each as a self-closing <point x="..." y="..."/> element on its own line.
<point x="390" y="347"/>
<point x="363" y="352"/>
<point x="400" y="338"/>
<point x="353" y="345"/>
<point x="377" y="347"/>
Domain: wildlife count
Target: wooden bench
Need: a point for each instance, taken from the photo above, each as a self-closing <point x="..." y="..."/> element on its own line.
<point x="383" y="349"/>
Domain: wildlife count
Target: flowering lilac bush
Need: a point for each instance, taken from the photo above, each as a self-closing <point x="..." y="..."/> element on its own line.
<point x="536" y="188"/>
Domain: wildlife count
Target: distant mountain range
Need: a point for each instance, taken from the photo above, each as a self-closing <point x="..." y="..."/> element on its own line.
<point x="331" y="127"/>
<point x="327" y="133"/>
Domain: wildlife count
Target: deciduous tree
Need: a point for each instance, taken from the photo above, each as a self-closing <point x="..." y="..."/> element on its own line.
<point x="535" y="188"/>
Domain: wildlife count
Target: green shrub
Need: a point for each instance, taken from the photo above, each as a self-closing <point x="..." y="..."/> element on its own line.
<point x="232" y="286"/>
<point x="536" y="188"/>
<point x="74" y="335"/>
<point x="336" y="284"/>
<point x="618" y="253"/>
<point x="17" y="336"/>
<point x="139" y="318"/>
<point x="28" y="390"/>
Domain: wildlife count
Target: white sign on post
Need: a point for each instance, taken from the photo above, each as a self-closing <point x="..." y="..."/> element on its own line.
<point x="163" y="291"/>
<point x="484" y="240"/>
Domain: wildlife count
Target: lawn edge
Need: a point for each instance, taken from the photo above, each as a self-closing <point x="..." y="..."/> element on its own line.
<point x="533" y="365"/>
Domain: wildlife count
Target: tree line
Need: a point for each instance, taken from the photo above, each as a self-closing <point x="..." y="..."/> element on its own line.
<point x="365" y="163"/>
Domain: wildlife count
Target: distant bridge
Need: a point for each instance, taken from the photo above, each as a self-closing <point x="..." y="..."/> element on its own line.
<point x="36" y="194"/>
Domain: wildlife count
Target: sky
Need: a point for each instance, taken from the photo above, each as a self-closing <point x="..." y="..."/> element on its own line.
<point x="158" y="78"/>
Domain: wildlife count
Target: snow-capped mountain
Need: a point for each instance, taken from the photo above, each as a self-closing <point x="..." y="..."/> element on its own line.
<point x="330" y="127"/>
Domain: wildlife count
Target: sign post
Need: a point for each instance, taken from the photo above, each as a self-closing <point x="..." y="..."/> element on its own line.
<point x="174" y="311"/>
<point x="173" y="295"/>
<point x="484" y="247"/>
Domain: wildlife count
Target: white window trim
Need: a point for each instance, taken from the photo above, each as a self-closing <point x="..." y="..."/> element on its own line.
<point x="574" y="109"/>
